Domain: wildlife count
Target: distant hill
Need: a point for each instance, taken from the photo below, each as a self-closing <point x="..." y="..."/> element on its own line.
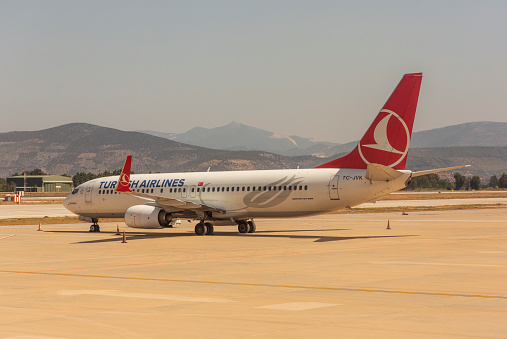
<point x="82" y="147"/>
<point x="480" y="133"/>
<point x="236" y="136"/>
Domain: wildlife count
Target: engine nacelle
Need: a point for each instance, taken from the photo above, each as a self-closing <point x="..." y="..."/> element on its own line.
<point x="145" y="216"/>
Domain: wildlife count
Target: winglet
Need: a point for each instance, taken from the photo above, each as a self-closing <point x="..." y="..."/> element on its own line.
<point x="123" y="181"/>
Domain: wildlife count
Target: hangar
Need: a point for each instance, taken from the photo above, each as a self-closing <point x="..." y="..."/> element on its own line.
<point x="42" y="183"/>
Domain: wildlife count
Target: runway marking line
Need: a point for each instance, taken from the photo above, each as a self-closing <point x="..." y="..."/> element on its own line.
<point x="262" y="285"/>
<point x="9" y="236"/>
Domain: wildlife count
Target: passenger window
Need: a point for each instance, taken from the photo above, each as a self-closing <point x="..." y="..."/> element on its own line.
<point x="265" y="188"/>
<point x="295" y="188"/>
<point x="213" y="189"/>
<point x="243" y="188"/>
<point x="260" y="188"/>
<point x="184" y="190"/>
<point x="232" y="189"/>
<point x="198" y="189"/>
<point x="284" y="188"/>
<point x="227" y="189"/>
<point x="161" y="190"/>
<point x="143" y="190"/>
<point x="306" y="187"/>
<point x="223" y="189"/>
<point x="248" y="188"/>
<point x="253" y="188"/>
<point x="300" y="188"/>
<point x="179" y="190"/>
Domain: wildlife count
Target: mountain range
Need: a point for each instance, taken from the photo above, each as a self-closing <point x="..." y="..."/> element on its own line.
<point x="80" y="147"/>
<point x="237" y="136"/>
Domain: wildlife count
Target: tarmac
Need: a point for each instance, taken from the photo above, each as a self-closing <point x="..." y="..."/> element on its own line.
<point x="432" y="275"/>
<point x="57" y="210"/>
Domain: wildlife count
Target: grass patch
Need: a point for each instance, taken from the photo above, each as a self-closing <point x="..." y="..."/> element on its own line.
<point x="51" y="221"/>
<point x="401" y="209"/>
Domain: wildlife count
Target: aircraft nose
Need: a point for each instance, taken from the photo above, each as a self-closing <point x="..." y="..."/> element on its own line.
<point x="67" y="203"/>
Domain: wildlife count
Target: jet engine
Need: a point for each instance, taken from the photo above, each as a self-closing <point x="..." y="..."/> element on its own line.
<point x="146" y="216"/>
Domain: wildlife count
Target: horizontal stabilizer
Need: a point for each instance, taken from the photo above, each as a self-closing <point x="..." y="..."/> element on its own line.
<point x="417" y="174"/>
<point x="378" y="172"/>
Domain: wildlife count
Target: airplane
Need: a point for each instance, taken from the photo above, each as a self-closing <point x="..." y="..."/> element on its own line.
<point x="374" y="168"/>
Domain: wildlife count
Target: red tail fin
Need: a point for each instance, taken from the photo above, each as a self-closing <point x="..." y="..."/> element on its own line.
<point x="387" y="140"/>
<point x="123" y="182"/>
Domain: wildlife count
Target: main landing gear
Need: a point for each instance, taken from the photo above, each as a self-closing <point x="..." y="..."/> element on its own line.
<point x="247" y="227"/>
<point x="203" y="228"/>
<point x="95" y="226"/>
<point x="206" y="228"/>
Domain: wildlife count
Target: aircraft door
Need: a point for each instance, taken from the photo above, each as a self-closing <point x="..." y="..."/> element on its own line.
<point x="193" y="190"/>
<point x="333" y="187"/>
<point x="88" y="193"/>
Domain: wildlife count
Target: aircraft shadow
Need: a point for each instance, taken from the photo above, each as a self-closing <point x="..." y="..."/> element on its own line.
<point x="132" y="236"/>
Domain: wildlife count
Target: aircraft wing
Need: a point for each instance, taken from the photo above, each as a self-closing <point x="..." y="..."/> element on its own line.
<point x="175" y="205"/>
<point x="417" y="174"/>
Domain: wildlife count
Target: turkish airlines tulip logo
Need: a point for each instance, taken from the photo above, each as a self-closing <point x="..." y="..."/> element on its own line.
<point x="390" y="135"/>
<point x="124" y="180"/>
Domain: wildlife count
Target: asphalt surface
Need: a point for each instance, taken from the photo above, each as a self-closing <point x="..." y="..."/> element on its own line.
<point x="432" y="275"/>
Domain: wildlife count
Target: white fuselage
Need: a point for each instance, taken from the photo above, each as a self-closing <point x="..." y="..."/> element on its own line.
<point x="241" y="194"/>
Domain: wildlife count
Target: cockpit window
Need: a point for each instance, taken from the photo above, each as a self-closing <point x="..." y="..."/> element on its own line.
<point x="75" y="191"/>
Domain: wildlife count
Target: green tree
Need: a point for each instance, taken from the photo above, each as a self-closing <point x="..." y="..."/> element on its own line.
<point x="5" y="187"/>
<point x="502" y="182"/>
<point x="429" y="181"/>
<point x="475" y="182"/>
<point x="83" y="177"/>
<point x="460" y="181"/>
<point x="36" y="171"/>
<point x="493" y="181"/>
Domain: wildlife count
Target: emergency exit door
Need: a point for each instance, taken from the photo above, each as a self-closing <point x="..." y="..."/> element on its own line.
<point x="333" y="187"/>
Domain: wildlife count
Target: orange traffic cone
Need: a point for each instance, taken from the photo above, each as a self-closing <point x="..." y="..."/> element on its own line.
<point x="124" y="239"/>
<point x="388" y="227"/>
<point x="40" y="229"/>
<point x="404" y="213"/>
<point x="117" y="230"/>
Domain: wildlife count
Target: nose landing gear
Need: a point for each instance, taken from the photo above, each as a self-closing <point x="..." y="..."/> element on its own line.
<point x="95" y="226"/>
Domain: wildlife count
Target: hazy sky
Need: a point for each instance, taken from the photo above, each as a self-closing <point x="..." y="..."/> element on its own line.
<point x="320" y="69"/>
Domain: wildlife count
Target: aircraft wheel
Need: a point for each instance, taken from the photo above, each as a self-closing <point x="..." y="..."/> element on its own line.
<point x="209" y="228"/>
<point x="251" y="227"/>
<point x="200" y="229"/>
<point x="94" y="228"/>
<point x="243" y="227"/>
